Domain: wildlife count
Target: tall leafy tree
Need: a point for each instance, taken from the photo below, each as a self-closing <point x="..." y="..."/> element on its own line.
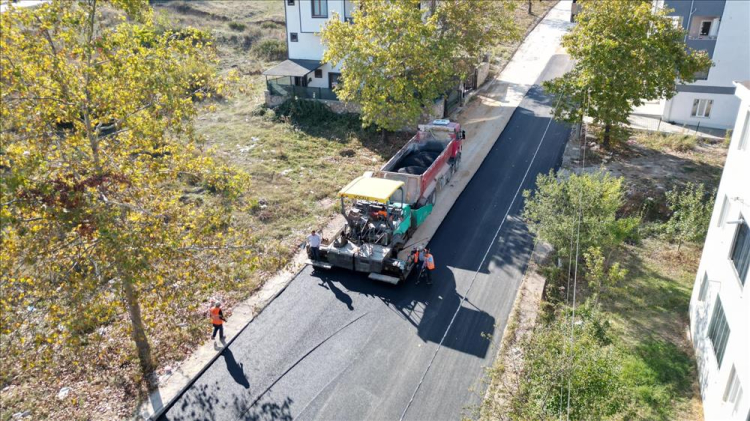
<point x="625" y="53"/>
<point x="97" y="145"/>
<point x="399" y="57"/>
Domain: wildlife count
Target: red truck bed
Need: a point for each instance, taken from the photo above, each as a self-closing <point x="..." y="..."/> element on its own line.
<point x="421" y="163"/>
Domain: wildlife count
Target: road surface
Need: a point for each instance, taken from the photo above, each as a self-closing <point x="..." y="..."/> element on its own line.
<point x="337" y="346"/>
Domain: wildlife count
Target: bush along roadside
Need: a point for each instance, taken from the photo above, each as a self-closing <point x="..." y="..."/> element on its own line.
<point x="588" y="357"/>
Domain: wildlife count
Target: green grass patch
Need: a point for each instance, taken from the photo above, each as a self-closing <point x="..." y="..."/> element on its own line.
<point x="668" y="141"/>
<point x="270" y="49"/>
<point x="237" y="26"/>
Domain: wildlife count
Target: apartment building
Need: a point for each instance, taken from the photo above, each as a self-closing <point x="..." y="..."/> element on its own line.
<point x="722" y="29"/>
<point x="720" y="303"/>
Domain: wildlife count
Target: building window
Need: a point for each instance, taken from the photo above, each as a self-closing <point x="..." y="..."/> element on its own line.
<point x="733" y="391"/>
<point x="741" y="252"/>
<point x="333" y="80"/>
<point x="320" y="8"/>
<point x="318" y="73"/>
<point x="745" y="135"/>
<point x="702" y="107"/>
<point x="293" y="37"/>
<point x="704" y="288"/>
<point x="725" y="206"/>
<point x="705" y="28"/>
<point x="290" y="2"/>
<point x="718" y="331"/>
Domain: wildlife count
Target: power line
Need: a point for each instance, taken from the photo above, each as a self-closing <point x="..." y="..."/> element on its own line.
<point x="571" y="366"/>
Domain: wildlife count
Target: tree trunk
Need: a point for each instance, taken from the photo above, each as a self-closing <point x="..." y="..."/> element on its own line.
<point x="139" y="332"/>
<point x="529" y="3"/>
<point x="607" y="130"/>
<point x="383" y="136"/>
<point x="433" y="6"/>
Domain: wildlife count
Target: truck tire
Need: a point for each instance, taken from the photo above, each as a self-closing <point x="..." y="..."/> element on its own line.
<point x="431" y="199"/>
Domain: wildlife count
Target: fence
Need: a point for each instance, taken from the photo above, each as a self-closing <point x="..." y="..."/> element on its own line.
<point x="656" y="124"/>
<point x="283" y="87"/>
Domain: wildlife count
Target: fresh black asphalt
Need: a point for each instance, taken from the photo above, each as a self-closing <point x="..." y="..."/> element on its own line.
<point x="338" y="346"/>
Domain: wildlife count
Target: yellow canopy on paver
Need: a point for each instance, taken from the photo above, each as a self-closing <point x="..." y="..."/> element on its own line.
<point x="370" y="188"/>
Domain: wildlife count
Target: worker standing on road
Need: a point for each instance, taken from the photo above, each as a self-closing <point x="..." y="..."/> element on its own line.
<point x="428" y="265"/>
<point x="217" y="320"/>
<point x="314" y="241"/>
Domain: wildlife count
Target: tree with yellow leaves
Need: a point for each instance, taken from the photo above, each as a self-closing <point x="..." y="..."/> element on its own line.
<point x="398" y="57"/>
<point x="97" y="147"/>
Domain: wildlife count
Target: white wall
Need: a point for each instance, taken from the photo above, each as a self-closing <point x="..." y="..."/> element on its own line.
<point x="299" y="20"/>
<point x="322" y="82"/>
<point x="723" y="282"/>
<point x="731" y="63"/>
<point x="723" y="111"/>
<point x="732" y="52"/>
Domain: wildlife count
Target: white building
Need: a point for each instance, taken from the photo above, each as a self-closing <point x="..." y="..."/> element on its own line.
<point x="720" y="304"/>
<point x="303" y="71"/>
<point x="722" y="29"/>
<point x="305" y="75"/>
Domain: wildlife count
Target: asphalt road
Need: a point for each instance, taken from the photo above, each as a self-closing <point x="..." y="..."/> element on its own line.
<point x="337" y="346"/>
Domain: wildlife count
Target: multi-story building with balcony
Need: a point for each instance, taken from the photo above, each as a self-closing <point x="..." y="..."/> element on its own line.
<point x="720" y="303"/>
<point x="722" y="29"/>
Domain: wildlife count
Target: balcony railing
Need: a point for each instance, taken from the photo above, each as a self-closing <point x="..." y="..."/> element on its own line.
<point x="284" y="88"/>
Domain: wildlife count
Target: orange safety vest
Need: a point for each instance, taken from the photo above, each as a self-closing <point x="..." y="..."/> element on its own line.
<point x="430" y="261"/>
<point x="416" y="257"/>
<point x="215" y="317"/>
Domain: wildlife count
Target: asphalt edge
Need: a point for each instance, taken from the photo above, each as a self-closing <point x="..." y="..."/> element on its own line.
<point x="156" y="415"/>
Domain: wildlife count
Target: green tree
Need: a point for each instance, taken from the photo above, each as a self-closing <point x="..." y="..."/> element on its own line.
<point x="588" y="360"/>
<point x="691" y="213"/>
<point x="397" y="58"/>
<point x="97" y="145"/>
<point x="552" y="211"/>
<point x="624" y="54"/>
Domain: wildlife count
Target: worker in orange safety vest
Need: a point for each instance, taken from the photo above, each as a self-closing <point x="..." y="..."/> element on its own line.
<point x="217" y="320"/>
<point x="428" y="265"/>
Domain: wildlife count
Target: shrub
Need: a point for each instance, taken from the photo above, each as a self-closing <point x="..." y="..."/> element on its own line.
<point x="270" y="49"/>
<point x="551" y="211"/>
<point x="236" y="26"/>
<point x="549" y="360"/>
<point x="269" y="25"/>
<point x="691" y="213"/>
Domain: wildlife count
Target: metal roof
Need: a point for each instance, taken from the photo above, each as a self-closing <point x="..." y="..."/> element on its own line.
<point x="371" y="188"/>
<point x="293" y="67"/>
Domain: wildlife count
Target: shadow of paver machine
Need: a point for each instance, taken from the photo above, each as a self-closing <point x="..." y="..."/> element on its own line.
<point x="384" y="208"/>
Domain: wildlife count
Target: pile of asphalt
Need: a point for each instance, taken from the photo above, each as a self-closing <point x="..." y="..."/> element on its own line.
<point x="417" y="162"/>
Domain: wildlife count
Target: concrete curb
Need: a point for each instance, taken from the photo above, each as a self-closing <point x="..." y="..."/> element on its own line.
<point x="208" y="364"/>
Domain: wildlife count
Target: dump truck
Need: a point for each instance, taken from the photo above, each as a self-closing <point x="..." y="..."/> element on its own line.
<point x="384" y="208"/>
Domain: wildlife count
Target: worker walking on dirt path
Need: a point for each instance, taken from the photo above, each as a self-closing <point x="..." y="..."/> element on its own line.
<point x="428" y="265"/>
<point x="314" y="241"/>
<point x="217" y="320"/>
